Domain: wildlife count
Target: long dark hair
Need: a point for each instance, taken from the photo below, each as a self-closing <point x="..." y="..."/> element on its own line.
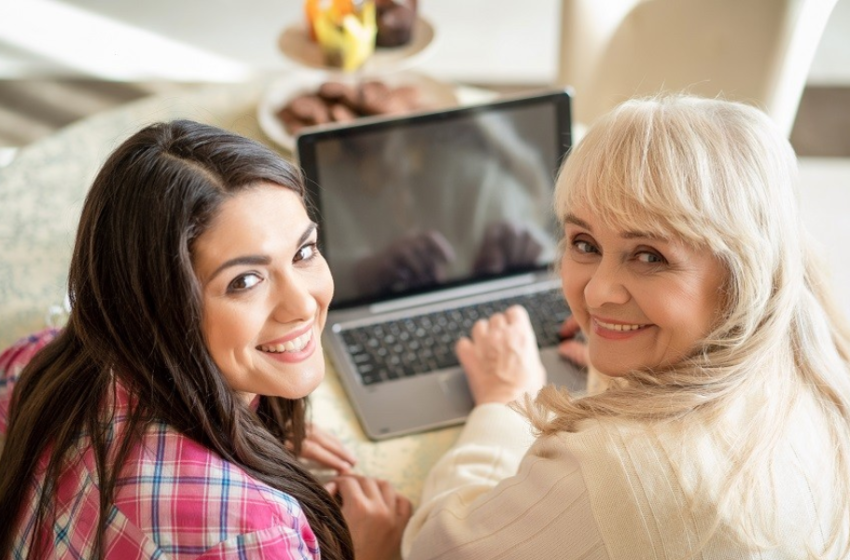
<point x="136" y="316"/>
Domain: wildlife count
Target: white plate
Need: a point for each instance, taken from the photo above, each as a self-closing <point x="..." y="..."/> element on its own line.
<point x="296" y="44"/>
<point x="433" y="95"/>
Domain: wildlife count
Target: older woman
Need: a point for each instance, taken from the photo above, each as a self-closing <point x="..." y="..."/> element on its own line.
<point x="725" y="431"/>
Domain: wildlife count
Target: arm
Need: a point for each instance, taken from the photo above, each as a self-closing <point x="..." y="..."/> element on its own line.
<point x="489" y="449"/>
<point x="12" y="362"/>
<point x="483" y="499"/>
<point x="543" y="511"/>
<point x="502" y="364"/>
<point x="280" y="542"/>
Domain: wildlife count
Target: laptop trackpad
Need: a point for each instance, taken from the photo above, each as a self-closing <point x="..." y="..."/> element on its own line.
<point x="560" y="372"/>
<point x="456" y="389"/>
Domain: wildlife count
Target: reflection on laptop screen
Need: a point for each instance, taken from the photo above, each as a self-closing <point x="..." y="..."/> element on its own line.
<point x="416" y="204"/>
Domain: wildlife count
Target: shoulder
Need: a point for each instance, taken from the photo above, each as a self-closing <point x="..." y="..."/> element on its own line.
<point x="186" y="498"/>
<point x="617" y="455"/>
<point x="12" y="362"/>
<point x="652" y="487"/>
<point x="615" y="436"/>
<point x="17" y="356"/>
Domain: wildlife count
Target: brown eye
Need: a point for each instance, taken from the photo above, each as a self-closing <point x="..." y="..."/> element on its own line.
<point x="244" y="282"/>
<point x="307" y="252"/>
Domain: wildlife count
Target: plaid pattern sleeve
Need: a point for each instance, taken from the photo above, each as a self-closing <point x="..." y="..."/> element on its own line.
<point x="174" y="499"/>
<point x="12" y="362"/>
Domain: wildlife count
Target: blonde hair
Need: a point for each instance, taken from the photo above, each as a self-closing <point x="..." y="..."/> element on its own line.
<point x="719" y="175"/>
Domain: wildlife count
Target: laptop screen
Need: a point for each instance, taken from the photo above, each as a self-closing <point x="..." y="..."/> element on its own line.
<point x="416" y="203"/>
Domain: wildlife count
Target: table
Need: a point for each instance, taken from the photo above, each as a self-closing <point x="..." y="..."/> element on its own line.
<point x="42" y="191"/>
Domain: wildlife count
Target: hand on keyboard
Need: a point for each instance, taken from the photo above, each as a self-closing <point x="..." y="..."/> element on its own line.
<point x="572" y="346"/>
<point x="501" y="360"/>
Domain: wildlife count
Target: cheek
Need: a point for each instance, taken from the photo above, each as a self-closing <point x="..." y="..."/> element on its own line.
<point x="325" y="283"/>
<point x="226" y="328"/>
<point x="216" y="330"/>
<point x="322" y="288"/>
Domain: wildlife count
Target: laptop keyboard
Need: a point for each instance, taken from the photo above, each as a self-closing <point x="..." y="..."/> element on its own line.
<point x="425" y="343"/>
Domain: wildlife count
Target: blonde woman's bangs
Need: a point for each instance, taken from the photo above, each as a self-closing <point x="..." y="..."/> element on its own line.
<point x="628" y="176"/>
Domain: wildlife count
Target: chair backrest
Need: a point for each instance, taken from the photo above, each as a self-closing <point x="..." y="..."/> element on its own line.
<point x="755" y="51"/>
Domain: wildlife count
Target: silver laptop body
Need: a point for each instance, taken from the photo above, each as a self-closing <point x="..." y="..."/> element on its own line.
<point x="429" y="222"/>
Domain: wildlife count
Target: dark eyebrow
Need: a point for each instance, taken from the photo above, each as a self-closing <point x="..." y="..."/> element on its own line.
<point x="573" y="219"/>
<point x="307" y="233"/>
<point x="261" y="260"/>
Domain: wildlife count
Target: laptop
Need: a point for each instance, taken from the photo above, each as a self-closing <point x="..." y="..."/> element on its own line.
<point x="430" y="221"/>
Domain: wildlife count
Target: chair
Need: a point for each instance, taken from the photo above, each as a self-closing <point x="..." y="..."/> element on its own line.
<point x="755" y="51"/>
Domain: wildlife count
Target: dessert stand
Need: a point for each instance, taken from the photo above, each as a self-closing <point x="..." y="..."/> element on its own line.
<point x="388" y="64"/>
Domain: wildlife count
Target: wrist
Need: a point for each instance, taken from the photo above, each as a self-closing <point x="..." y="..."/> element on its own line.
<point x="502" y="397"/>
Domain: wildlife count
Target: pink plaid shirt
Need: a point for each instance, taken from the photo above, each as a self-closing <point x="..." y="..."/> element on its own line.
<point x="174" y="498"/>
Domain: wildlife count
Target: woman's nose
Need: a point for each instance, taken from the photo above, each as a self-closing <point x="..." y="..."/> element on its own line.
<point x="606" y="285"/>
<point x="294" y="301"/>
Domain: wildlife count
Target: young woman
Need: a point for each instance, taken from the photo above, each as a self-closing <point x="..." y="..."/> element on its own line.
<point x="167" y="418"/>
<point x="725" y="432"/>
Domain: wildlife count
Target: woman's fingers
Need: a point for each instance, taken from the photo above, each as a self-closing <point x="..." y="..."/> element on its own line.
<point x="574" y="351"/>
<point x="480" y="329"/>
<point x="569" y="328"/>
<point x="350" y="489"/>
<point x="370" y="488"/>
<point x="331" y="443"/>
<point x="516" y="314"/>
<point x="315" y="452"/>
<point x="500" y="357"/>
<point x="325" y="449"/>
<point x="376" y="515"/>
<point x="364" y="494"/>
<point x="388" y="493"/>
<point x="498" y="321"/>
<point x="573" y="346"/>
<point x="403" y="507"/>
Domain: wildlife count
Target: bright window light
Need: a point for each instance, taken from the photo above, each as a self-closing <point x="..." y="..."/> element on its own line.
<point x="101" y="47"/>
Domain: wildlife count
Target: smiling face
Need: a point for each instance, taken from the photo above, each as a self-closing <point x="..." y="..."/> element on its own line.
<point x="642" y="302"/>
<point x="266" y="291"/>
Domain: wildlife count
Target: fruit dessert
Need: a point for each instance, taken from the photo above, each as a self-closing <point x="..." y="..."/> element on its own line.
<point x="344" y="29"/>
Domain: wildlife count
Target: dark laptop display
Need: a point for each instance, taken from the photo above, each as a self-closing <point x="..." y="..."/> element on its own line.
<point x="429" y="222"/>
<point x="415" y="204"/>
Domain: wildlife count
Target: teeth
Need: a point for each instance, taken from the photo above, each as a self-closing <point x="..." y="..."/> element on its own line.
<point x="294" y="345"/>
<point x="618" y="327"/>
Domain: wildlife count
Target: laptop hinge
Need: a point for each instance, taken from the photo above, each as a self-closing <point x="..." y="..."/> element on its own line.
<point x="453" y="293"/>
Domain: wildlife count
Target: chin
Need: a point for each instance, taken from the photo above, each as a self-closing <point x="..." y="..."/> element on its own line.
<point x="606" y="367"/>
<point x="311" y="379"/>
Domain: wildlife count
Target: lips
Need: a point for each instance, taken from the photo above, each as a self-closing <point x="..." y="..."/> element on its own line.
<point x="293" y="342"/>
<point x="617" y="331"/>
<point x="295" y="349"/>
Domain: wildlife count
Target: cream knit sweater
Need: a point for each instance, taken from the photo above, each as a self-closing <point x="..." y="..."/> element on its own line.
<point x="610" y="491"/>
